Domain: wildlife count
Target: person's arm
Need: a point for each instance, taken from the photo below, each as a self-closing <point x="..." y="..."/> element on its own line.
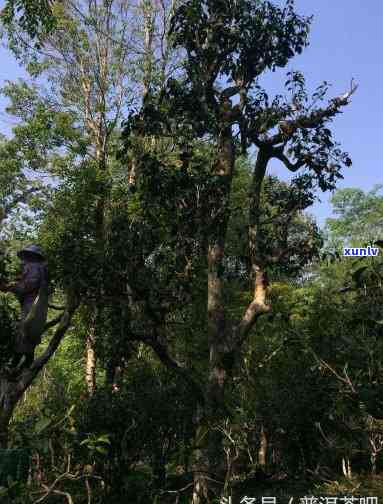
<point x="8" y="287"/>
<point x="29" y="282"/>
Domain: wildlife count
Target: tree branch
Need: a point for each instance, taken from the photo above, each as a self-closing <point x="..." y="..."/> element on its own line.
<point x="293" y="167"/>
<point x="29" y="374"/>
<point x="258" y="305"/>
<point x="229" y="92"/>
<point x="313" y="120"/>
<point x="162" y="353"/>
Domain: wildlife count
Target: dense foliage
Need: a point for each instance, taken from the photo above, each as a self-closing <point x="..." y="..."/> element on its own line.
<point x="202" y="329"/>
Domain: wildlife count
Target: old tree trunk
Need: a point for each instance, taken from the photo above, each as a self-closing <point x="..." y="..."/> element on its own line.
<point x="225" y="337"/>
<point x="14" y="385"/>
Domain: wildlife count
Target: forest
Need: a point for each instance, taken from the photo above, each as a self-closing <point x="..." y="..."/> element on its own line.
<point x="175" y="326"/>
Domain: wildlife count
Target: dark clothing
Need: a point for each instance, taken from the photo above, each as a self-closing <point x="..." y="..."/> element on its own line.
<point x="26" y="291"/>
<point x="18" y="357"/>
<point x="27" y="288"/>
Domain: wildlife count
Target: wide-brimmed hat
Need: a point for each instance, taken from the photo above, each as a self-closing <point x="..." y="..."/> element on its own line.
<point x="31" y="249"/>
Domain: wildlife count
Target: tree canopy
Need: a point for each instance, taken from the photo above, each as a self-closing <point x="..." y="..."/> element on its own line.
<point x="198" y="341"/>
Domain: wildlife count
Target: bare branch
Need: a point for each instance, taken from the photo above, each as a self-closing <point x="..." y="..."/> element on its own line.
<point x="293" y="167"/>
<point x="51" y="488"/>
<point x="65" y="476"/>
<point x="344" y="379"/>
<point x="313" y="120"/>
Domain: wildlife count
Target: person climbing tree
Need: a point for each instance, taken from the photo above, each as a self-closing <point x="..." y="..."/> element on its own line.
<point x="31" y="292"/>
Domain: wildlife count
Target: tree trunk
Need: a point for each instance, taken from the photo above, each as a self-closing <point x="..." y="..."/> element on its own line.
<point x="262" y="453"/>
<point x="373" y="463"/>
<point x="225" y="339"/>
<point x="200" y="489"/>
<point x="346" y="467"/>
<point x="90" y="352"/>
<point x="8" y="400"/>
<point x="210" y="463"/>
<point x="90" y="360"/>
<point x="149" y="25"/>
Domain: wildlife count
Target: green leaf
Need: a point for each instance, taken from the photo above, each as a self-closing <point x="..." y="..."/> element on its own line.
<point x="3" y="491"/>
<point x="42" y="424"/>
<point x="104" y="439"/>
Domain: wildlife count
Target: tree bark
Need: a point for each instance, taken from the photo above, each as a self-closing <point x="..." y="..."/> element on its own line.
<point x="90" y="359"/>
<point x="8" y="402"/>
<point x="224" y="338"/>
<point x="210" y="457"/>
<point x="262" y="452"/>
<point x="346" y="467"/>
<point x="149" y="25"/>
<point x="12" y="387"/>
<point x="200" y="489"/>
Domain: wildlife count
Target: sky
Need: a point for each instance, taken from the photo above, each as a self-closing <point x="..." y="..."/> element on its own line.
<point x="346" y="42"/>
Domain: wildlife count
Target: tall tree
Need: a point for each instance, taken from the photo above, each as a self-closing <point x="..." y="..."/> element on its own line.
<point x="86" y="74"/>
<point x="227" y="47"/>
<point x="95" y="61"/>
<point x="88" y="67"/>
